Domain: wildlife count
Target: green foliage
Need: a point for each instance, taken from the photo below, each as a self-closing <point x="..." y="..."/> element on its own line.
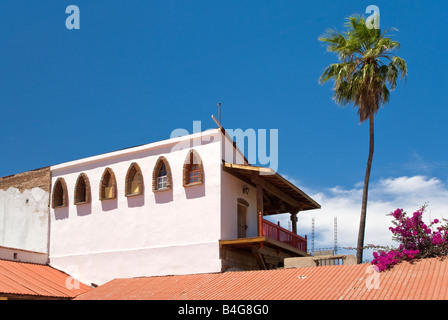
<point x="367" y="70"/>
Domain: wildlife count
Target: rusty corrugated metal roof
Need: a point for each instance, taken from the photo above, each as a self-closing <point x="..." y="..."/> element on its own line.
<point x="422" y="280"/>
<point x="28" y="279"/>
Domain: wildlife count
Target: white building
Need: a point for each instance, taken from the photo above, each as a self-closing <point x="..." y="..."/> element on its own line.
<point x="185" y="205"/>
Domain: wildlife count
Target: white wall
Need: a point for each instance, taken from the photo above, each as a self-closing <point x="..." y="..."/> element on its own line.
<point x="232" y="189"/>
<point x="24" y="219"/>
<point x="169" y="232"/>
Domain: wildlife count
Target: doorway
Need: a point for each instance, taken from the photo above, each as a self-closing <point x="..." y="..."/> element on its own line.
<point x="242" y="223"/>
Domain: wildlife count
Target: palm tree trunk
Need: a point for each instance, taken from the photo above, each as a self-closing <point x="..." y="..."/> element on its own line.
<point x="362" y="222"/>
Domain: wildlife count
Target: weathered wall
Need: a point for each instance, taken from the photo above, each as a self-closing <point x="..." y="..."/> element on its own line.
<point x="39" y="178"/>
<point x="24" y="210"/>
<point x="19" y="255"/>
<point x="303" y="262"/>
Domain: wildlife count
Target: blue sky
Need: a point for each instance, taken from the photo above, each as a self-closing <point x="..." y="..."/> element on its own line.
<point x="137" y="70"/>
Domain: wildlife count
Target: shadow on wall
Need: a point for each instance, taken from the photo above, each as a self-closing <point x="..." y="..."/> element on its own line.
<point x="196" y="191"/>
<point x="109" y="204"/>
<point x="84" y="209"/>
<point x="163" y="196"/>
<point x="61" y="213"/>
<point x="136" y="201"/>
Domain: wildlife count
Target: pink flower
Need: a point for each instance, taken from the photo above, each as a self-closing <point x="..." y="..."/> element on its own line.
<point x="415" y="238"/>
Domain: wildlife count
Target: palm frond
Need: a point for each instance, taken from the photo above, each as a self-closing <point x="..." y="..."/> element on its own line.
<point x="362" y="76"/>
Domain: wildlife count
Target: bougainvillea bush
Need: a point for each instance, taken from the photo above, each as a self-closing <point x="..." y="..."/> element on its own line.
<point x="416" y="239"/>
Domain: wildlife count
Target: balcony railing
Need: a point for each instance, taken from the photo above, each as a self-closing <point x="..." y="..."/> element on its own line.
<point x="276" y="232"/>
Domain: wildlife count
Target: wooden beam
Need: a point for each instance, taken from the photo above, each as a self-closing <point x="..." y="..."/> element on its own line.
<point x="259" y="257"/>
<point x="259" y="208"/>
<point x="275" y="191"/>
<point x="242" y="242"/>
<point x="249" y="168"/>
<point x="248" y="243"/>
<point x="276" y="205"/>
<point x="244" y="172"/>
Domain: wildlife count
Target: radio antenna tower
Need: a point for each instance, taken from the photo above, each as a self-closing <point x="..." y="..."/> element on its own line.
<point x="335" y="235"/>
<point x="312" y="235"/>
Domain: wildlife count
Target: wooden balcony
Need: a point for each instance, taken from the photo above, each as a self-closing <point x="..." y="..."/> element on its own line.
<point x="270" y="247"/>
<point x="271" y="243"/>
<point x="276" y="232"/>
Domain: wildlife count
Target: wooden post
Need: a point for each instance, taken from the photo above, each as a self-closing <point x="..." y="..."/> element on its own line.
<point x="278" y="231"/>
<point x="260" y="208"/>
<point x="306" y="244"/>
<point x="294" y="221"/>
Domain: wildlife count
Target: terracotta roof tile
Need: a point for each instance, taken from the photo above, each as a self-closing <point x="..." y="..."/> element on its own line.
<point x="21" y="278"/>
<point x="421" y="280"/>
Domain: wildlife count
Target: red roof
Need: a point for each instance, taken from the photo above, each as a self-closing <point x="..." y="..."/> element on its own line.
<point x="28" y="279"/>
<point x="421" y="280"/>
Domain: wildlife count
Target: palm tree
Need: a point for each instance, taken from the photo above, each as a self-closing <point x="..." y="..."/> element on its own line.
<point x="366" y="72"/>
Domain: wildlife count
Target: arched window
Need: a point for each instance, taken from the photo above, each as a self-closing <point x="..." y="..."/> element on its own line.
<point x="60" y="195"/>
<point x="161" y="175"/>
<point x="134" y="181"/>
<point x="108" y="185"/>
<point x="82" y="189"/>
<point x="193" y="169"/>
